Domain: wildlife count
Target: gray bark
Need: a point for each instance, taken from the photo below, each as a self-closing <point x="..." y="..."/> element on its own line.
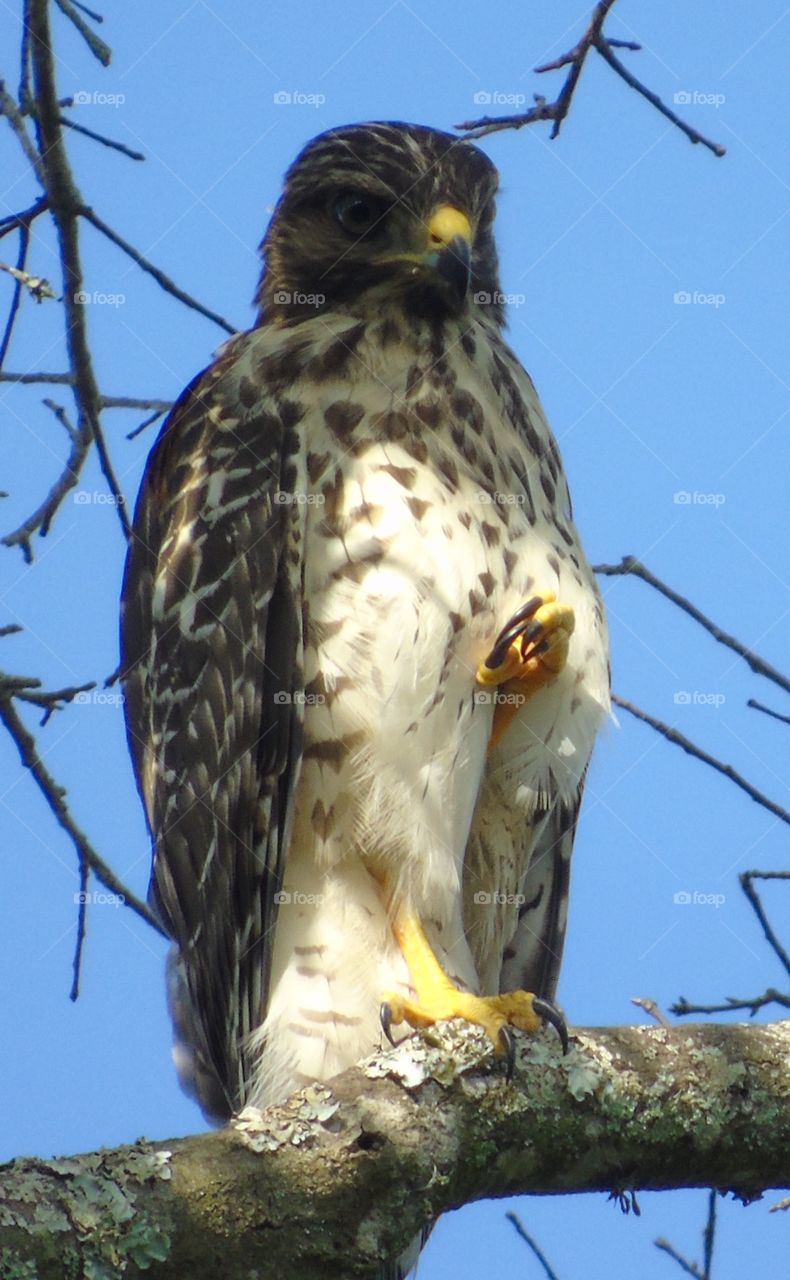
<point x="343" y="1175"/>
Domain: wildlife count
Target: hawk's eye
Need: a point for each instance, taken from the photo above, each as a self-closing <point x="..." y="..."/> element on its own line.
<point x="358" y="213"/>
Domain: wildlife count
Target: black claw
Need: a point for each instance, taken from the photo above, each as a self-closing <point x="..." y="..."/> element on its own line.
<point x="385" y="1015"/>
<point x="511" y="632"/>
<point x="508" y="1042"/>
<point x="550" y="1013"/>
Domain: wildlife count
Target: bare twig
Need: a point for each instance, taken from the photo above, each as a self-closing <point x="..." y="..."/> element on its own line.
<point x="709" y="1234"/>
<point x="682" y="1007"/>
<point x="557" y="110"/>
<point x="55" y="798"/>
<point x="679" y="739"/>
<point x="768" y="711"/>
<point x="42" y="517"/>
<point x="134" y="402"/>
<point x="13" y="221"/>
<point x="98" y="48"/>
<point x="746" y="878"/>
<point x="521" y="1230"/>
<point x="651" y="1008"/>
<point x="690" y="1268"/>
<point x="28" y="689"/>
<point x="100" y="137"/>
<point x="604" y="48"/>
<point x="143" y="426"/>
<point x="65" y="204"/>
<point x="13" y="115"/>
<point x="16" y="301"/>
<point x="543" y="110"/>
<point x="630" y="566"/>
<point x="162" y="280"/>
<point x="30" y="379"/>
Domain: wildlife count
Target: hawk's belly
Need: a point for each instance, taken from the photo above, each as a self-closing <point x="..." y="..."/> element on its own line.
<point x="407" y="581"/>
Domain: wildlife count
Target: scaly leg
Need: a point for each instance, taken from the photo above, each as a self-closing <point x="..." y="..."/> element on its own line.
<point x="438" y="998"/>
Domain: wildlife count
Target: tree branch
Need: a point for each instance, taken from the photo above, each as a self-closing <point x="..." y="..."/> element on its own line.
<point x="691" y="749"/>
<point x="630" y="566"/>
<point x="593" y="38"/>
<point x="342" y="1176"/>
<point x="10" y="688"/>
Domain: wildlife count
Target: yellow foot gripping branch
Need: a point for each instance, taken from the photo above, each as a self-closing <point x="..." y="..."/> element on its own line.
<point x="438" y="998"/>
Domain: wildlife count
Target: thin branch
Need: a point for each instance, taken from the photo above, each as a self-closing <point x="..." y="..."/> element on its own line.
<point x="693" y="135"/>
<point x="709" y="1235"/>
<point x="55" y="798"/>
<point x="630" y="566"/>
<point x="768" y="711"/>
<point x="679" y="739"/>
<point x="42" y="517"/>
<point x="556" y="111"/>
<point x="13" y="221"/>
<point x="652" y="1009"/>
<point x="64" y="379"/>
<point x="162" y="280"/>
<point x="521" y="1230"/>
<point x="144" y="425"/>
<point x="690" y="1268"/>
<point x="65" y="204"/>
<point x="133" y="402"/>
<point x="682" y="1007"/>
<point x="100" y="137"/>
<point x="746" y="878"/>
<point x="98" y="48"/>
<point x="543" y="110"/>
<point x="16" y="300"/>
<point x="13" y="115"/>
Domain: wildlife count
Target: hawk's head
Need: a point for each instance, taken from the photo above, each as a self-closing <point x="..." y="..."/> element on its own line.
<point x="379" y="214"/>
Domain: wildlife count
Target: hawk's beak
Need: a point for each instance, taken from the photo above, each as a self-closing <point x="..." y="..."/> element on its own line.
<point x="449" y="249"/>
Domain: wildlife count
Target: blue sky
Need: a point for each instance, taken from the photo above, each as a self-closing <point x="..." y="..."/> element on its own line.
<point x="603" y="232"/>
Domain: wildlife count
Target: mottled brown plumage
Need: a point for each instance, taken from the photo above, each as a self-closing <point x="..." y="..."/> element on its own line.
<point x="338" y="518"/>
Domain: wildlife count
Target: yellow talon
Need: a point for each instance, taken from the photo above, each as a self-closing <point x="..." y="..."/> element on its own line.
<point x="529" y="651"/>
<point x="438" y="998"/>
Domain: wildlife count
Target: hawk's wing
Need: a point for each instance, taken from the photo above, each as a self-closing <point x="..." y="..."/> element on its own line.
<point x="533" y="955"/>
<point x="211" y="637"/>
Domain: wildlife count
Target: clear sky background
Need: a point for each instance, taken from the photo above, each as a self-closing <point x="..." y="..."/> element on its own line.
<point x="650" y="398"/>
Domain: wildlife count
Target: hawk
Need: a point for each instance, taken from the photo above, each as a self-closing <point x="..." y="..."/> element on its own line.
<point x="364" y="656"/>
